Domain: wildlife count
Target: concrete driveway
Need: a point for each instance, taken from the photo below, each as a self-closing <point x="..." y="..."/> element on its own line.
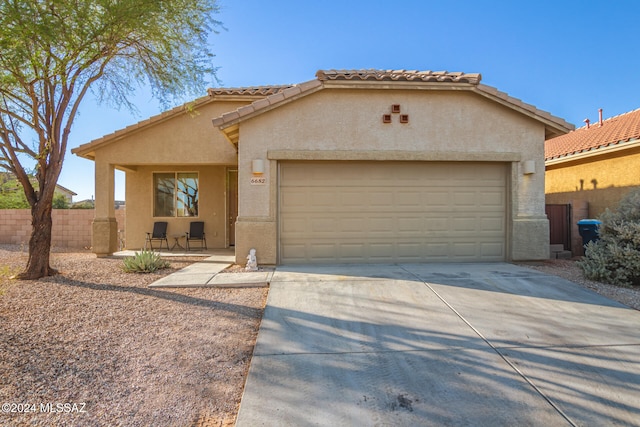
<point x="441" y="344"/>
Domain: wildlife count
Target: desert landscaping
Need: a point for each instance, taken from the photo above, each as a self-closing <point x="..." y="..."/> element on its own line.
<point x="95" y="346"/>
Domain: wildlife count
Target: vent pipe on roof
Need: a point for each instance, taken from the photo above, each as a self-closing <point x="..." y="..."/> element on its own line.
<point x="587" y="121"/>
<point x="600" y="117"/>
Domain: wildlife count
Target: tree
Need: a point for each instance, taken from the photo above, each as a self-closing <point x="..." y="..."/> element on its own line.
<point x="54" y="52"/>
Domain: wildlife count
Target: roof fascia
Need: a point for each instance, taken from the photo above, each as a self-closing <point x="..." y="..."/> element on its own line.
<point x="594" y="152"/>
<point x="554" y="126"/>
<point x="87" y="150"/>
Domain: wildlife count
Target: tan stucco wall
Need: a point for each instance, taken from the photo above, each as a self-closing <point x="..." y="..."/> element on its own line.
<point x="187" y="138"/>
<point x="600" y="180"/>
<point x="442" y="126"/>
<point x="212" y="205"/>
<point x="184" y="142"/>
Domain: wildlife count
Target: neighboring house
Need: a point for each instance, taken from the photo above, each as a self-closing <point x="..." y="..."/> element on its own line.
<point x="90" y="204"/>
<point x="353" y="166"/>
<point x="68" y="194"/>
<point x="6" y="177"/>
<point x="589" y="170"/>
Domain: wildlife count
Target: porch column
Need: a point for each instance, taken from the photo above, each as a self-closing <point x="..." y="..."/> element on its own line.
<point x="104" y="238"/>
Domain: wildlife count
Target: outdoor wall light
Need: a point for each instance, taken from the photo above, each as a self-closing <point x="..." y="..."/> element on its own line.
<point x="257" y="166"/>
<point x="528" y="167"/>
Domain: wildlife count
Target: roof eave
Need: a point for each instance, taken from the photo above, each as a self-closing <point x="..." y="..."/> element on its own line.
<point x="600" y="151"/>
<point x="88" y="150"/>
<point x="554" y="126"/>
<point x="228" y="123"/>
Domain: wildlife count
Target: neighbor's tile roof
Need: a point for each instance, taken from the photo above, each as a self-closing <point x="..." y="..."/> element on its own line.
<point x="614" y="131"/>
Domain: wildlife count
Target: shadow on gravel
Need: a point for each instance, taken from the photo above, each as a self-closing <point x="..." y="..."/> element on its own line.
<point x="170" y="296"/>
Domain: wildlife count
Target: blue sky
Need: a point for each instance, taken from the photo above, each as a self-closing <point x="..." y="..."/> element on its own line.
<point x="565" y="57"/>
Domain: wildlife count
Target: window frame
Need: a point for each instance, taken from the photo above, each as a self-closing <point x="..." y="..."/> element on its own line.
<point x="175" y="194"/>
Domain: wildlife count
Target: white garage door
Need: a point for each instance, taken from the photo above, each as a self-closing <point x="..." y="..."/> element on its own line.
<point x="352" y="212"/>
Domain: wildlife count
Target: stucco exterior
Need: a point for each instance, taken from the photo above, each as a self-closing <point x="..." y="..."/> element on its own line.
<point x="345" y="125"/>
<point x="449" y="118"/>
<point x="181" y="140"/>
<point x="601" y="180"/>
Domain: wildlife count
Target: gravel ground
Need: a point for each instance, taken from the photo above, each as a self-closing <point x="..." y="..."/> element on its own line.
<point x="128" y="355"/>
<point x="567" y="269"/>
<point x="123" y="353"/>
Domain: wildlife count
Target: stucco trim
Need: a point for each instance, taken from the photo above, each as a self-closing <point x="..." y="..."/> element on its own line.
<point x="394" y="155"/>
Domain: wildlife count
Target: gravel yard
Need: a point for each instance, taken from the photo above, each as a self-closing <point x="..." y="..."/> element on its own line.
<point x="125" y="354"/>
<point x="129" y="355"/>
<point x="568" y="269"/>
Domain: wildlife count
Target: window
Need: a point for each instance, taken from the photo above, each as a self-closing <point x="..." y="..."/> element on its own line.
<point x="175" y="194"/>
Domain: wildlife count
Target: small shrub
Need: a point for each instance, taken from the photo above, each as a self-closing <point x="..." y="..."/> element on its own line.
<point x="144" y="262"/>
<point x="615" y="258"/>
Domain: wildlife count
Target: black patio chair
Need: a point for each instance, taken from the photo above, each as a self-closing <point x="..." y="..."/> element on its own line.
<point x="196" y="233"/>
<point x="159" y="233"/>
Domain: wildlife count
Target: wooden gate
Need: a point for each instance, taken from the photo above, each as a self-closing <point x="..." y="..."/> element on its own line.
<point x="559" y="225"/>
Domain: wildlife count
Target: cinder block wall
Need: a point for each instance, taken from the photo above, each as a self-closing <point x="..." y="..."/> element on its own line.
<point x="71" y="227"/>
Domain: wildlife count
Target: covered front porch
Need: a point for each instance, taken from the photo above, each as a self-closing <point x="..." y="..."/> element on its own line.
<point x="178" y="169"/>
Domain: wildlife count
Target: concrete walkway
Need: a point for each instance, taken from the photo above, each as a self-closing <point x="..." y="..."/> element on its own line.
<point x="448" y="344"/>
<point x="210" y="273"/>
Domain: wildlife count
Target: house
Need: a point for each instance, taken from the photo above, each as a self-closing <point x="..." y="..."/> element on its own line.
<point x="352" y="166"/>
<point x="589" y="170"/>
<point x="11" y="184"/>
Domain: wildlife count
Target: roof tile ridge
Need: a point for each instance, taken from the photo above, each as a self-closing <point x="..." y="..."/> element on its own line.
<point x="247" y="90"/>
<point x="595" y="126"/>
<point x="289" y="92"/>
<point x="399" y="75"/>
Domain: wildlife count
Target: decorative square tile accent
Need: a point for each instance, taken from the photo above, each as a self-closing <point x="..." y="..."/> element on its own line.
<point x="395" y="108"/>
<point x="404" y="118"/>
<point x="386" y="118"/>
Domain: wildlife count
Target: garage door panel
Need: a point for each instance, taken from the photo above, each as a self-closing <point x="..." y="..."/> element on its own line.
<point x="492" y="199"/>
<point x="492" y="225"/>
<point x="495" y="249"/>
<point x="392" y="212"/>
<point x="465" y="225"/>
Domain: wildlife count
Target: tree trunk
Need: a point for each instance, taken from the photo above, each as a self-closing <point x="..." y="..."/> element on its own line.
<point x="39" y="243"/>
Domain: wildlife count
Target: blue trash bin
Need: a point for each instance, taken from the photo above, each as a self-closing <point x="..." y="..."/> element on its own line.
<point x="588" y="229"/>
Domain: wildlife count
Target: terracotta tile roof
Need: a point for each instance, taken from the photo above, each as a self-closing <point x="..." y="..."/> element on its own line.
<point x="614" y="131"/>
<point x="269" y="102"/>
<point x="399" y="75"/>
<point x="249" y="90"/>
<point x="554" y="125"/>
<point x="250" y="93"/>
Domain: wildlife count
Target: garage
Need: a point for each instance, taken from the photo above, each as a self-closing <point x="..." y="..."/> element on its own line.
<point x="366" y="212"/>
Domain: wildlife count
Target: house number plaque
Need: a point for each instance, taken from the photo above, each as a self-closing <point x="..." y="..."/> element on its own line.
<point x="258" y="180"/>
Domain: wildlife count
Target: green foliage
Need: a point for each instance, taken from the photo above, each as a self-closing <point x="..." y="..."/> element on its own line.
<point x="144" y="262"/>
<point x="83" y="205"/>
<point x="11" y="194"/>
<point x="615" y="258"/>
<point x="54" y="52"/>
<point x="60" y="202"/>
